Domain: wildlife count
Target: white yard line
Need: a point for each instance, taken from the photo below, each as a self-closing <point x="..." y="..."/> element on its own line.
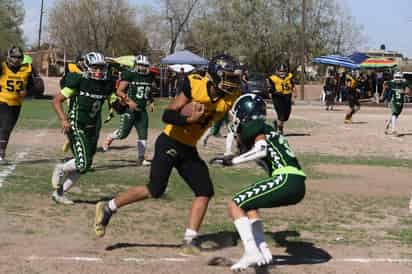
<point x="184" y="260"/>
<point x="8" y="170"/>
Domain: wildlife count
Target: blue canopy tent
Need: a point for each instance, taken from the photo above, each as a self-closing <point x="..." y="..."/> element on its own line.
<point x="336" y="60"/>
<point x="184" y="57"/>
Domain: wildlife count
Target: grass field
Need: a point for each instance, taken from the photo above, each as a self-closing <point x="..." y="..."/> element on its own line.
<point x="355" y="206"/>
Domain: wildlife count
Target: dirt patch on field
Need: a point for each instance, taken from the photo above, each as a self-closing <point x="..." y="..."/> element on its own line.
<point x="365" y="180"/>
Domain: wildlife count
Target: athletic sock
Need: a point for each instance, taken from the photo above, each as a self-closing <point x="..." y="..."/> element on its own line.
<point x="112" y="205"/>
<point x="190" y="234"/>
<point x="71" y="178"/>
<point x="257" y="230"/>
<point x="244" y="229"/>
<point x="393" y="122"/>
<point x="141" y="149"/>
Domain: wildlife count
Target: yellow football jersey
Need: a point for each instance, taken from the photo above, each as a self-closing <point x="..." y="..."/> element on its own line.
<point x="283" y="85"/>
<point x="190" y="134"/>
<point x="73" y="68"/>
<point x="11" y="84"/>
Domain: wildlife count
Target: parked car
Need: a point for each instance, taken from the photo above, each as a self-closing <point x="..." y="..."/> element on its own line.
<point x="257" y="84"/>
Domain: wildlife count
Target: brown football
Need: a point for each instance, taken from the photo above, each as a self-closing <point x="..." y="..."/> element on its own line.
<point x="187" y="109"/>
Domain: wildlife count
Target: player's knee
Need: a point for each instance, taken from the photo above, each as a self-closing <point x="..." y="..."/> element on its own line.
<point x="156" y="191"/>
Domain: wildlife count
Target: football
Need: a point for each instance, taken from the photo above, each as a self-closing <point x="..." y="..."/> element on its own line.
<point x="187" y="109"/>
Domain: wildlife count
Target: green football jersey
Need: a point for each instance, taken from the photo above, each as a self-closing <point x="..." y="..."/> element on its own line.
<point x="139" y="87"/>
<point x="279" y="153"/>
<point x="397" y="88"/>
<point x="87" y="98"/>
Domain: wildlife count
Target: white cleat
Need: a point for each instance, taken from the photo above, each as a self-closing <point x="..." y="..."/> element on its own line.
<point x="143" y="162"/>
<point x="253" y="259"/>
<point x="61" y="199"/>
<point x="57" y="176"/>
<point x="266" y="253"/>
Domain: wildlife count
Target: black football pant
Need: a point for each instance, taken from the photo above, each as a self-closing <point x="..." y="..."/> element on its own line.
<point x="8" y="119"/>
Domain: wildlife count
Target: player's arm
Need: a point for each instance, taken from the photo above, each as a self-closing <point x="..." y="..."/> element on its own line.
<point x="58" y="107"/>
<point x="259" y="150"/>
<point x="124" y="99"/>
<point x="172" y="115"/>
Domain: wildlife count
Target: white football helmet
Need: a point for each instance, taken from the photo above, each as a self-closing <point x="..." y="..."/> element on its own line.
<point x="398" y="76"/>
<point x="142" y="64"/>
<point x="96" y="66"/>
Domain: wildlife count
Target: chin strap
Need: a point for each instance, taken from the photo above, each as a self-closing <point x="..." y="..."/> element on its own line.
<point x="259" y="150"/>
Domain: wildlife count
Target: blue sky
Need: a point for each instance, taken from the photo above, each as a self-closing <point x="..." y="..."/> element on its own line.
<point x="384" y="22"/>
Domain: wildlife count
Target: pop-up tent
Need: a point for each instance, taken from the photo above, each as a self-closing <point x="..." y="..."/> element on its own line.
<point x="184" y="57"/>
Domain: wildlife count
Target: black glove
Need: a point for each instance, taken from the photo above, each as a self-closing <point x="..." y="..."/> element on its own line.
<point x="224" y="160"/>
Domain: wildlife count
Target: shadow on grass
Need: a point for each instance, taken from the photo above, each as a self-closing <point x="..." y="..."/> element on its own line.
<point x="92" y="201"/>
<point x="404" y="134"/>
<point x="207" y="242"/>
<point x="359" y="123"/>
<point x="296" y="134"/>
<point x="299" y="252"/>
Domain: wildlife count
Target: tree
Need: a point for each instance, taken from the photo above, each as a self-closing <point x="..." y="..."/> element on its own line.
<point x="268" y="32"/>
<point x="106" y="26"/>
<point x="11" y="19"/>
<point x="177" y="14"/>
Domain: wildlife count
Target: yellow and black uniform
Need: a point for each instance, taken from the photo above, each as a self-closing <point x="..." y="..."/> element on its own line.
<point x="281" y="90"/>
<point x="176" y="146"/>
<point x="12" y="83"/>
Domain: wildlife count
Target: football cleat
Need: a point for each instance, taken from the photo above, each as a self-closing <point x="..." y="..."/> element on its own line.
<point x="189" y="249"/>
<point x="102" y="218"/>
<point x="57" y="176"/>
<point x="266" y="253"/>
<point x="143" y="162"/>
<point x="61" y="199"/>
<point x="247" y="260"/>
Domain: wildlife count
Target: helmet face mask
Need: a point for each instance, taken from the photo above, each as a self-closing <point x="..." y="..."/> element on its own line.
<point x="96" y="66"/>
<point x="398" y="77"/>
<point x="247" y="107"/>
<point x="15" y="57"/>
<point x="142" y="65"/>
<point x="225" y="73"/>
<point x="282" y="70"/>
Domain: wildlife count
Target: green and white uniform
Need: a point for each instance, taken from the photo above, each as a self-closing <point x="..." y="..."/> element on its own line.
<point x="286" y="182"/>
<point x="86" y="99"/>
<point x="138" y="90"/>
<point x="397" y="96"/>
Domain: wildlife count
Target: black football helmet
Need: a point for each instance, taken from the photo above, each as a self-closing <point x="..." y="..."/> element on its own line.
<point x="247" y="107"/>
<point x="225" y="72"/>
<point x="282" y="70"/>
<point x="15" y="57"/>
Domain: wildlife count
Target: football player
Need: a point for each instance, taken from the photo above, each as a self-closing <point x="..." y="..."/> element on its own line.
<point x="213" y="95"/>
<point x="285" y="184"/>
<point x="135" y="86"/>
<point x="15" y="79"/>
<point x="281" y="87"/>
<point x="398" y="89"/>
<point x="87" y="93"/>
<point x="353" y="100"/>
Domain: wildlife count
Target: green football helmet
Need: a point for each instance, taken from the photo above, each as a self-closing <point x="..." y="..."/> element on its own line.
<point x="247" y="107"/>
